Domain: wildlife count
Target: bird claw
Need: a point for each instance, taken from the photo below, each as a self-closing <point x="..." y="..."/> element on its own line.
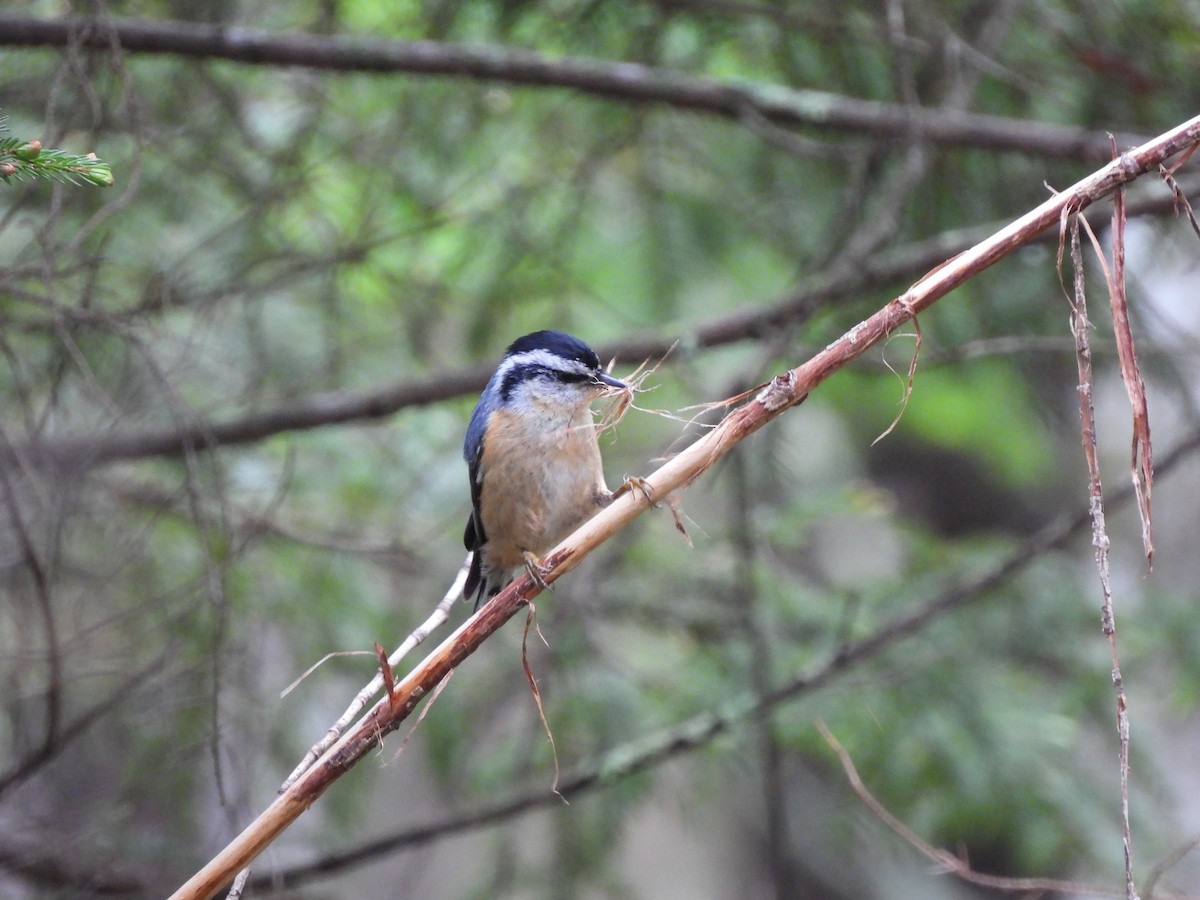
<point x="537" y="571"/>
<point x="636" y="483"/>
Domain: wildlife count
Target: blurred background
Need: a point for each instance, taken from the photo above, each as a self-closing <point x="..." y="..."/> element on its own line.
<point x="235" y="387"/>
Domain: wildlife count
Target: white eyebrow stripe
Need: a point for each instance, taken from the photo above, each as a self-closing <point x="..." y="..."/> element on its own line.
<point x="541" y="358"/>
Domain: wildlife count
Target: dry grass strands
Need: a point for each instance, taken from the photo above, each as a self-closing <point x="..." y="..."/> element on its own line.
<point x="908" y="385"/>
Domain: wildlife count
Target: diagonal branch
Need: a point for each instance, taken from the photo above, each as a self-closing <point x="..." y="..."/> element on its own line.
<point x="701" y="729"/>
<point x="617" y="81"/>
<point x="782" y="393"/>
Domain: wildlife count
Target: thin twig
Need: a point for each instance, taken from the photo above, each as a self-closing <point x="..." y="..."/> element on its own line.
<point x="945" y="861"/>
<point x="440" y="614"/>
<point x="383" y="677"/>
<point x="1173" y="858"/>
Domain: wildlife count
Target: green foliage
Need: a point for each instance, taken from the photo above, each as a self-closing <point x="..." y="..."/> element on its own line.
<point x="294" y="237"/>
<point x="22" y="160"/>
<point x="972" y="408"/>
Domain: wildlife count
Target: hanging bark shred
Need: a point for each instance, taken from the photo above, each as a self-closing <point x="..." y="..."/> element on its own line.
<point x="1087" y="418"/>
<point x="675" y="505"/>
<point x="531" y="622"/>
<point x="385" y="669"/>
<point x="1181" y="200"/>
<point x="1080" y="327"/>
<point x="1141" y="463"/>
<point x="1182" y="205"/>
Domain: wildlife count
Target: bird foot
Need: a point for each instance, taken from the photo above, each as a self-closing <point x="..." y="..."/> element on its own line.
<point x="537" y="571"/>
<point x="636" y="483"/>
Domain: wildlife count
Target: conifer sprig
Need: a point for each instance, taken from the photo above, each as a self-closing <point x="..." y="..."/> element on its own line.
<point x="26" y="160"/>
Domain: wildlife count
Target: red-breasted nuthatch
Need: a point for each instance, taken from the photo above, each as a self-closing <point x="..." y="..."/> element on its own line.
<point x="533" y="456"/>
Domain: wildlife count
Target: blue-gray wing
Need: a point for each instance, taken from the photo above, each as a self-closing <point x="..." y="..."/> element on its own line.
<point x="473" y="535"/>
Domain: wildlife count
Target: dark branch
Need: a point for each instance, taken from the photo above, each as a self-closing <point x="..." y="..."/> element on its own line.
<point x="339" y="407"/>
<point x="620" y="81"/>
<point x="329" y="408"/>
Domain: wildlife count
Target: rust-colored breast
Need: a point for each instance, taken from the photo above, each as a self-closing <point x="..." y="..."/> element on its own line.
<point x="540" y="479"/>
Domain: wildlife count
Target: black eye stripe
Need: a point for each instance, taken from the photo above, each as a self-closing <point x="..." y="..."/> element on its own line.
<point x="527" y="371"/>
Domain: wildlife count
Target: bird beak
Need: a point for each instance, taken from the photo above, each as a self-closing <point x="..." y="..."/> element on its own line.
<point x="606" y="379"/>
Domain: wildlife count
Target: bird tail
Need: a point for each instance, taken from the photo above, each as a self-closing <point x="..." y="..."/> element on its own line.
<point x="473" y="587"/>
<point x="479" y="584"/>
